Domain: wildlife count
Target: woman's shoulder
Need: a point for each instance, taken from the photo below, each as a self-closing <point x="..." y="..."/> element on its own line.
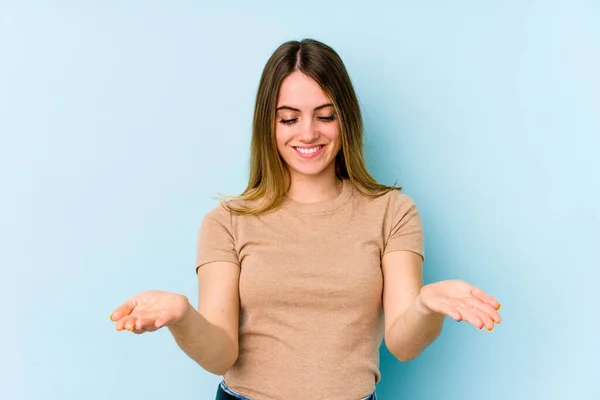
<point x="388" y="200"/>
<point x="217" y="213"/>
<point x="381" y="193"/>
<point x="233" y="206"/>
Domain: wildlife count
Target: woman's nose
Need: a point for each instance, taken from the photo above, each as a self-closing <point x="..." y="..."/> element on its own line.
<point x="308" y="133"/>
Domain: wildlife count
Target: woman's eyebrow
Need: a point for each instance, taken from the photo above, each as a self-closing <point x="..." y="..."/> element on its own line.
<point x="297" y="110"/>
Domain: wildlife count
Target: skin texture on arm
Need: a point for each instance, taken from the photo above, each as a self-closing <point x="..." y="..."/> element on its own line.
<point x="210" y="336"/>
<point x="409" y="329"/>
<point x="414" y="313"/>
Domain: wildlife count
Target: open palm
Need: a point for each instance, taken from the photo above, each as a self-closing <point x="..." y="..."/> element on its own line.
<point x="149" y="311"/>
<point x="461" y="301"/>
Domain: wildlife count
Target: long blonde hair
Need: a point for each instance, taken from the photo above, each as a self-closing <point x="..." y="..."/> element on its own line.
<point x="267" y="187"/>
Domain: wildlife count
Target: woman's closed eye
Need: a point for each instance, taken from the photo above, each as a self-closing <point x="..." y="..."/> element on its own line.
<point x="289" y="121"/>
<point x="292" y="121"/>
<point x="328" y="118"/>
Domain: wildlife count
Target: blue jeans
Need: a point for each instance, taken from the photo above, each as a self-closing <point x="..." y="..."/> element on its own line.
<point x="225" y="393"/>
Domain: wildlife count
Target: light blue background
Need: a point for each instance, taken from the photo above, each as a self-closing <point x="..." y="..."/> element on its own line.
<point x="120" y="120"/>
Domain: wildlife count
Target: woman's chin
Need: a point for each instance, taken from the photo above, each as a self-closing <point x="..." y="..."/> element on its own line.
<point x="311" y="171"/>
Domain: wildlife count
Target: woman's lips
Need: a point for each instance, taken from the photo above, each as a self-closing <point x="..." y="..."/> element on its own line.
<point x="309" y="152"/>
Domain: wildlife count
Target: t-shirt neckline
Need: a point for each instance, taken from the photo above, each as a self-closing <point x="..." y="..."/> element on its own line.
<point x="322" y="206"/>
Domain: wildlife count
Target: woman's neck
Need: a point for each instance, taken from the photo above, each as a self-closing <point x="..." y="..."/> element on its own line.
<point x="314" y="189"/>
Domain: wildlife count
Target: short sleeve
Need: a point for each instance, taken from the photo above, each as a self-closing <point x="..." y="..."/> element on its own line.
<point x="215" y="238"/>
<point x="406" y="230"/>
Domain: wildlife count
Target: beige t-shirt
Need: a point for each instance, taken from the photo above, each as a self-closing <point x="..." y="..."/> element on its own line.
<point x="311" y="318"/>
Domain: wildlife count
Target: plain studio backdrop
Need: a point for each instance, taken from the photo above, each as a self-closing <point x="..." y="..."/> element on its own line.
<point x="120" y="121"/>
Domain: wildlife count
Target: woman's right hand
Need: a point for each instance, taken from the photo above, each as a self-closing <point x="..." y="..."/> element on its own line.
<point x="151" y="310"/>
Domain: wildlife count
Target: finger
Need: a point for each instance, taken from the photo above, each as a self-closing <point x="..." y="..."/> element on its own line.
<point x="470" y="316"/>
<point x="160" y="322"/>
<point x="488" y="310"/>
<point x="148" y="319"/>
<point x="120" y="325"/>
<point x="146" y="324"/>
<point x="448" y="310"/>
<point x="486" y="298"/>
<point x="126" y="323"/>
<point x="123" y="310"/>
<point x="487" y="321"/>
<point x="139" y="331"/>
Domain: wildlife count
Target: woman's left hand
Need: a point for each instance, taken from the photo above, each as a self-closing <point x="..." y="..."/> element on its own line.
<point x="462" y="302"/>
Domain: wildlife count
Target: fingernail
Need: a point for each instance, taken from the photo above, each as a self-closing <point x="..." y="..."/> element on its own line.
<point x="499" y="306"/>
<point x="111" y="317"/>
<point x="489" y="330"/>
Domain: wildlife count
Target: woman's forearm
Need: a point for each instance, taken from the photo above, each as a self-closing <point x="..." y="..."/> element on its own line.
<point x="413" y="331"/>
<point x="206" y="343"/>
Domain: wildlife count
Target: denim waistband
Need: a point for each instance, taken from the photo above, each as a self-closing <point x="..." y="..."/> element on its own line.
<point x="225" y="393"/>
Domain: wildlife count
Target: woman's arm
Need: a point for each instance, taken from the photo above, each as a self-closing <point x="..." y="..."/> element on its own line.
<point x="408" y="328"/>
<point x="414" y="313"/>
<point x="210" y="335"/>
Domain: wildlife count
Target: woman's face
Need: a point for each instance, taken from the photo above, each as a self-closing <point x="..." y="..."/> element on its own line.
<point x="307" y="129"/>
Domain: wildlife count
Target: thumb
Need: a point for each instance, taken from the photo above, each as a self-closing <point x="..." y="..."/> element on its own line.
<point x="124" y="309"/>
<point x="161" y="321"/>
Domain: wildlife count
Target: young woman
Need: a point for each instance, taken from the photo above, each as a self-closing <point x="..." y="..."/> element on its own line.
<point x="304" y="275"/>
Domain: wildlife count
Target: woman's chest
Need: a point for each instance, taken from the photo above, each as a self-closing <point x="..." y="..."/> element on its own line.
<point x="310" y="265"/>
